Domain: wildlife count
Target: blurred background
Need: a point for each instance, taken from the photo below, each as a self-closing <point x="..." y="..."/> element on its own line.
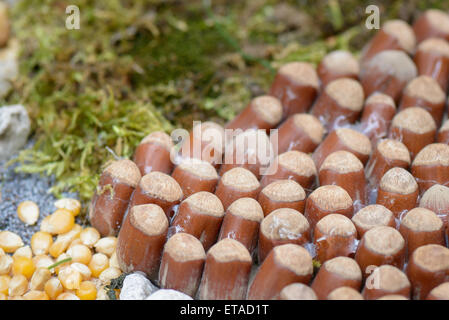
<point x="138" y="66"/>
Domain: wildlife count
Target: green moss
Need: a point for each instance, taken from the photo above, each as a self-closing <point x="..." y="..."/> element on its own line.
<point x="76" y="86"/>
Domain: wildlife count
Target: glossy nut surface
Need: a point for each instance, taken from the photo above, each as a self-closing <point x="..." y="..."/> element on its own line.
<point x="338" y="64"/>
<point x="301" y="132"/>
<point x="398" y="191"/>
<point x="380" y="245"/>
<point x="295" y="85"/>
<point x="153" y="153"/>
<point x="282" y="194"/>
<point x="388" y="72"/>
<point x="113" y="195"/>
<point x="414" y="127"/>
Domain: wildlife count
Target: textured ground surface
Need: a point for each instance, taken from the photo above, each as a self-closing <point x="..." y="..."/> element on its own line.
<point x="18" y="187"/>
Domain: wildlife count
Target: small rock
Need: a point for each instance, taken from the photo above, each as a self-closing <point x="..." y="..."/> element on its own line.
<point x="168" y="294"/>
<point x="14" y="129"/>
<point x="136" y="287"/>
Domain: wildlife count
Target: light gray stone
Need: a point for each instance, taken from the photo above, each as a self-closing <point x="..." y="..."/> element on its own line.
<point x="136" y="287"/>
<point x="14" y="130"/>
<point x="168" y="294"/>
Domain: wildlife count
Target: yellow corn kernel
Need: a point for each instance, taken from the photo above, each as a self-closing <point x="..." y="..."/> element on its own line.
<point x="45" y="224"/>
<point x="28" y="212"/>
<point x="36" y="295"/>
<point x="63" y="241"/>
<point x="67" y="296"/>
<point x="76" y="230"/>
<point x="70" y="278"/>
<point x="58" y="248"/>
<point x="53" y="288"/>
<point x="3" y="296"/>
<point x="80" y="253"/>
<point x="23" y="252"/>
<point x="42" y="261"/>
<point x="98" y="264"/>
<point x="9" y="241"/>
<point x="4" y="284"/>
<point x="83" y="269"/>
<point x="63" y="256"/>
<point x="89" y="236"/>
<point x="18" y="285"/>
<point x="75" y="242"/>
<point x="6" y="262"/>
<point x="87" y="291"/>
<point x="41" y="242"/>
<point x="61" y="221"/>
<point x="106" y="245"/>
<point x="72" y="205"/>
<point x="113" y="261"/>
<point x="110" y="273"/>
<point x="39" y="278"/>
<point x="24" y="266"/>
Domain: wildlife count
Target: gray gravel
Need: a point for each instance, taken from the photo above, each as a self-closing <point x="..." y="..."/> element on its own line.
<point x="18" y="187"/>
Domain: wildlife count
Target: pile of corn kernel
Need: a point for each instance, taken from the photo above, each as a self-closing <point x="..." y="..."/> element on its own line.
<point x="63" y="262"/>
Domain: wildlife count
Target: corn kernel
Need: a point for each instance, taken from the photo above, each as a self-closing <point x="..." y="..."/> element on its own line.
<point x="4" y="283"/>
<point x="39" y="278"/>
<point x="83" y="269"/>
<point x="87" y="291"/>
<point x="102" y="294"/>
<point x="53" y="288"/>
<point x="36" y="295"/>
<point x="41" y="242"/>
<point x="63" y="256"/>
<point x="72" y="205"/>
<point x="23" y="252"/>
<point x="75" y="242"/>
<point x="42" y="261"/>
<point x="24" y="266"/>
<point x="6" y="262"/>
<point x="3" y="296"/>
<point x="110" y="273"/>
<point x="63" y="241"/>
<point x="98" y="264"/>
<point x="45" y="224"/>
<point x="28" y="212"/>
<point x="70" y="278"/>
<point x="61" y="221"/>
<point x="58" y="248"/>
<point x="76" y="230"/>
<point x="67" y="296"/>
<point x="18" y="285"/>
<point x="113" y="261"/>
<point x="89" y="236"/>
<point x="2" y="252"/>
<point x="9" y="241"/>
<point x="80" y="253"/>
<point x="106" y="245"/>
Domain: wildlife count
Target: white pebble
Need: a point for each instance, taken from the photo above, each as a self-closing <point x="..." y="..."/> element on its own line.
<point x="136" y="287"/>
<point x="168" y="294"/>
